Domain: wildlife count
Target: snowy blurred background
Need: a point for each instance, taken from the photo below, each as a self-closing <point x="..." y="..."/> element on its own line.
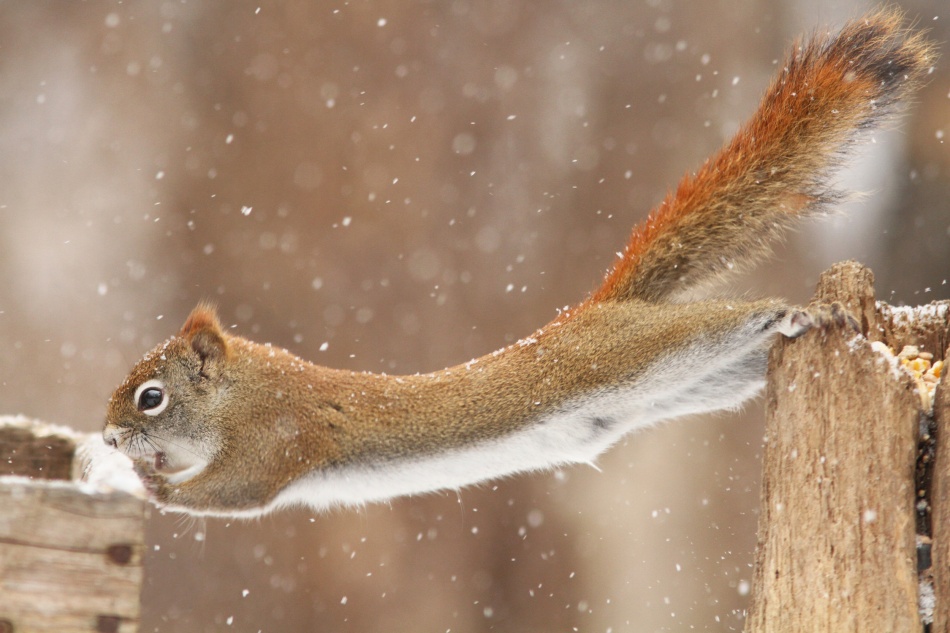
<point x="415" y="184"/>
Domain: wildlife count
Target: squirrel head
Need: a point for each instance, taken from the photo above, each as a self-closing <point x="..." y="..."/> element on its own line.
<point x="158" y="413"/>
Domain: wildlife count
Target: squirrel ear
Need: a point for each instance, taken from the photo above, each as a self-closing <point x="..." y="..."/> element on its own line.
<point x="203" y="331"/>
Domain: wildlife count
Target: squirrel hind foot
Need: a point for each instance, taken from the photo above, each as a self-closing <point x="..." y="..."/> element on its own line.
<point x="796" y="323"/>
<point x="824" y="316"/>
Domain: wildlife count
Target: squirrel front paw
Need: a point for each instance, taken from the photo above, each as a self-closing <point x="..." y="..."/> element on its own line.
<point x="157" y="485"/>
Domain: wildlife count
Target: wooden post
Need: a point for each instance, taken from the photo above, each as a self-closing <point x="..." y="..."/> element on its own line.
<point x="940" y="501"/>
<point x="70" y="552"/>
<point x="846" y="475"/>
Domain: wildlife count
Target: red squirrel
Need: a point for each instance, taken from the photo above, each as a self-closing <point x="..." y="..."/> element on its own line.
<point x="220" y="425"/>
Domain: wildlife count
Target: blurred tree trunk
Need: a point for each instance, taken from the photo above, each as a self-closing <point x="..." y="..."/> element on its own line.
<point x="852" y="474"/>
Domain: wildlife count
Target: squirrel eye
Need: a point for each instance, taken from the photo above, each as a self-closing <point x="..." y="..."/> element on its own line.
<point x="150" y="397"/>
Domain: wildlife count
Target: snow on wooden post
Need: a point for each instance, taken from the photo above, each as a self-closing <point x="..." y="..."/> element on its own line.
<point x="70" y="551"/>
<point x="852" y="476"/>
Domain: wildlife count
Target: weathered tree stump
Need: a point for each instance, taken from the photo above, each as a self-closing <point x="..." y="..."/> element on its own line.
<point x="852" y="479"/>
<point x="70" y="551"/>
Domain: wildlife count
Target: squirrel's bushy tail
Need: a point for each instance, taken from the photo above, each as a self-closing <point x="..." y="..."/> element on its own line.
<point x="778" y="166"/>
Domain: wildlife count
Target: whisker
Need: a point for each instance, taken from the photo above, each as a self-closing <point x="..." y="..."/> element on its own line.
<point x="183" y="447"/>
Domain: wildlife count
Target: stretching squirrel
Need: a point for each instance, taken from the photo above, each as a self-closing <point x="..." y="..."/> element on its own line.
<point x="219" y="425"/>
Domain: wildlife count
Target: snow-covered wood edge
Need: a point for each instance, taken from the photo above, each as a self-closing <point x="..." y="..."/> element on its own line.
<point x="94" y="468"/>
